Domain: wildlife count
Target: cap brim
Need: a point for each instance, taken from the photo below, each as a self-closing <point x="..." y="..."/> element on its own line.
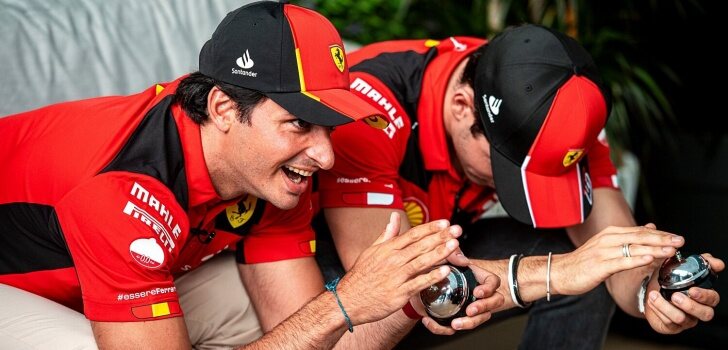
<point x="329" y="107"/>
<point x="542" y="201"/>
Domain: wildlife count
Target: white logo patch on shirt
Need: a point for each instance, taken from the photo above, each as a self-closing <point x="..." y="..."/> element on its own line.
<point x="147" y="252"/>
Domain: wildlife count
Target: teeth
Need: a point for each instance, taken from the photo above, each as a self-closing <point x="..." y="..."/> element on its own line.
<point x="299" y="171"/>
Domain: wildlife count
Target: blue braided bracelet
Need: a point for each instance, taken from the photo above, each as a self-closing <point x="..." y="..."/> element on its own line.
<point x="331" y="286"/>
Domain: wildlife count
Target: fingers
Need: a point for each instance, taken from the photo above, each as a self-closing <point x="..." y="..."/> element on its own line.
<point x="637" y="250"/>
<point x="436" y="328"/>
<point x="622" y="264"/>
<point x="703" y="312"/>
<point x="716" y="264"/>
<point x="429" y="252"/>
<point x="643" y="237"/>
<point x="670" y="314"/>
<point x="489" y="282"/>
<point x="486" y="305"/>
<point x="417" y="233"/>
<point x="423" y="281"/>
<point x="429" y="242"/>
<point x="457" y="258"/>
<point x="470" y="322"/>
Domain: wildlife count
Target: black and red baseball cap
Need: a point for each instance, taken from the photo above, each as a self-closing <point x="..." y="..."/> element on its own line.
<point x="291" y="54"/>
<point x="542" y="105"/>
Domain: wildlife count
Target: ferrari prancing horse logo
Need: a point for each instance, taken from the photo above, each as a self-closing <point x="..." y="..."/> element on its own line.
<point x="338" y="55"/>
<point x="572" y="156"/>
<point x="240" y="212"/>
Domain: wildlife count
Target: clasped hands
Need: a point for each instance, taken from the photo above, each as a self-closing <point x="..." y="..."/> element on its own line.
<point x="393" y="271"/>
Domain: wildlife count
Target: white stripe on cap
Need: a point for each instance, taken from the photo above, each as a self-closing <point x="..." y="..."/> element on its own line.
<point x="525" y="189"/>
<point x="375" y="198"/>
<point x="581" y="195"/>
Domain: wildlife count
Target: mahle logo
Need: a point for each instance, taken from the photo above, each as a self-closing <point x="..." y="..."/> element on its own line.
<point x="338" y="55"/>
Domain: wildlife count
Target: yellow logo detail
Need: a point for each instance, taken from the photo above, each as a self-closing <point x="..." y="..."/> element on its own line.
<point x="158" y="89"/>
<point x="161" y="309"/>
<point x="312" y="245"/>
<point x="377" y="122"/>
<point x="240" y="212"/>
<point x="431" y="43"/>
<point x="337" y="53"/>
<point x="572" y="156"/>
<point x="415" y="214"/>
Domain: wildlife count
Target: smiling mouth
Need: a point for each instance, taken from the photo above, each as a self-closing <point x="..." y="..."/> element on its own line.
<point x="296" y="175"/>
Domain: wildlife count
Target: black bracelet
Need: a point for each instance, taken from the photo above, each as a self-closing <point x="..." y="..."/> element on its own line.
<point x="513" y="281"/>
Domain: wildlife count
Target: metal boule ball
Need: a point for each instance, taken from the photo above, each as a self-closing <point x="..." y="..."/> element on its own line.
<point x="448" y="298"/>
<point x="678" y="274"/>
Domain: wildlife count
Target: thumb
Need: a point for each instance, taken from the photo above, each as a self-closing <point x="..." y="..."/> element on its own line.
<point x="489" y="282"/>
<point x="391" y="230"/>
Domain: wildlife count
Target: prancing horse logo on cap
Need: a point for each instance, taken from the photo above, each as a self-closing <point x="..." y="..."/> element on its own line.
<point x="572" y="156"/>
<point x="338" y="55"/>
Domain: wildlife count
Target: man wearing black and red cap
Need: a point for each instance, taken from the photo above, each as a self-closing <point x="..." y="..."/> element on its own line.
<point x="108" y="206"/>
<point x="515" y="122"/>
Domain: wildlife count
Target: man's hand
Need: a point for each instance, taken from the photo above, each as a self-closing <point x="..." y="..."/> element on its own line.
<point x="681" y="312"/>
<point x="395" y="268"/>
<point x="601" y="256"/>
<point x="477" y="312"/>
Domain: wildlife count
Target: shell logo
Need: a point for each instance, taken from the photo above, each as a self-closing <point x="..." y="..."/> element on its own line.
<point x="417" y="212"/>
<point x="376" y="121"/>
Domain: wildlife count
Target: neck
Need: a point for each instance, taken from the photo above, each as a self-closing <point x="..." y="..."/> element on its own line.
<point x="215" y="167"/>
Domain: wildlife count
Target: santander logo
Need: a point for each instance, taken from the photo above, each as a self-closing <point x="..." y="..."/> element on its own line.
<point x="245" y="61"/>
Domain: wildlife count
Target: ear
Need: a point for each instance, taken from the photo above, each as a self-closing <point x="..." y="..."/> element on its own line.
<point x="462" y="105"/>
<point x="221" y="109"/>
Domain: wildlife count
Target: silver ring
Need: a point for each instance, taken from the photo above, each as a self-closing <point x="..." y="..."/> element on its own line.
<point x="625" y="250"/>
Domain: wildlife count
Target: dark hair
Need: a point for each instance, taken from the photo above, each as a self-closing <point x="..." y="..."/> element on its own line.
<point x="192" y="94"/>
<point x="468" y="78"/>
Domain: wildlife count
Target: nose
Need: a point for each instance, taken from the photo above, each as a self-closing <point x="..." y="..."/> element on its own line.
<point x="320" y="149"/>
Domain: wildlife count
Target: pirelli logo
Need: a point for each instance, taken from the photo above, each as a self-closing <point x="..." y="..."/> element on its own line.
<point x="138" y="213"/>
<point x="153" y="213"/>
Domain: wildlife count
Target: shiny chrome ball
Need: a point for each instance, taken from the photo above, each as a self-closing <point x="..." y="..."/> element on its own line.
<point x="448" y="298"/>
<point x="678" y="274"/>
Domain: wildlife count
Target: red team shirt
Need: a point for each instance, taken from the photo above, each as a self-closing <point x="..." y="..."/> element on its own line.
<point x="104" y="201"/>
<point x="407" y="166"/>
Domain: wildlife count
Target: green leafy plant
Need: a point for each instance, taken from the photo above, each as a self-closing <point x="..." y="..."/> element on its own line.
<point x="607" y="30"/>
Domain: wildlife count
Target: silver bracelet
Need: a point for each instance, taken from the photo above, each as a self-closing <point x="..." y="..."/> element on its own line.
<point x="548" y="278"/>
<point x="641" y="294"/>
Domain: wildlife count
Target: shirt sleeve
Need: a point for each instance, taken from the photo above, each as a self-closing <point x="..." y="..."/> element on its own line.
<point x="366" y="167"/>
<point x="280" y="234"/>
<point x="123" y="232"/>
<point x="602" y="171"/>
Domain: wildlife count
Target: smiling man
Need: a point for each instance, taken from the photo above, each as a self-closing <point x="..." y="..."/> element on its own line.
<point x="110" y="206"/>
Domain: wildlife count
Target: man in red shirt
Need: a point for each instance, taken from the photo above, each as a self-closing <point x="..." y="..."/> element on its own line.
<point x="517" y="121"/>
<point x="107" y="203"/>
